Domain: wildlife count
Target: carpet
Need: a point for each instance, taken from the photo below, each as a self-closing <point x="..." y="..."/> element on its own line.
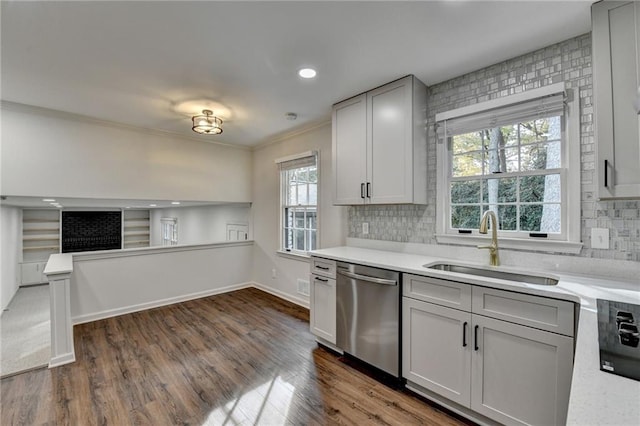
<point x="25" y="331"/>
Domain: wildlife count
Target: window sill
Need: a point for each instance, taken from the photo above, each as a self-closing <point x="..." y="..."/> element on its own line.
<point x="302" y="257"/>
<point x="554" y="246"/>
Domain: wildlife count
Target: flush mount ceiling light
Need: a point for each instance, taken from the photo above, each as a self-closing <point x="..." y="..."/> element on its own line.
<point x="207" y="123"/>
<point x="307" y="73"/>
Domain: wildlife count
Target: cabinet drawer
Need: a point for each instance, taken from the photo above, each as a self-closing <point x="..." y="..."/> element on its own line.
<point x="324" y="267"/>
<point x="533" y="311"/>
<point x="441" y="292"/>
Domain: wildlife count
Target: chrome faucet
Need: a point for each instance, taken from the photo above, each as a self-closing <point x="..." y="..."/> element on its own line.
<point x="494" y="260"/>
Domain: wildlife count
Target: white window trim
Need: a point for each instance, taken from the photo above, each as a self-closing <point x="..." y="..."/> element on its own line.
<point x="571" y="161"/>
<point x="173" y="223"/>
<point x="296" y="254"/>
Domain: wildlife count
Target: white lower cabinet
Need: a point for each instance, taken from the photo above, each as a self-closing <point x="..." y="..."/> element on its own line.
<point x="32" y="273"/>
<point x="520" y="375"/>
<point x="323" y="299"/>
<point x="323" y="308"/>
<point x="436" y="351"/>
<point x="506" y="372"/>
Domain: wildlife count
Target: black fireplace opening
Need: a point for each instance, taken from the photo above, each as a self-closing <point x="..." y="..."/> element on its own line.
<point x="91" y="230"/>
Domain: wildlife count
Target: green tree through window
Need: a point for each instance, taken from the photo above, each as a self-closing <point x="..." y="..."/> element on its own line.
<point x="513" y="170"/>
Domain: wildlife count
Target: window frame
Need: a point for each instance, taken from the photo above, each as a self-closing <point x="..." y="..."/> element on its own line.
<point x="283" y="204"/>
<point x="568" y="240"/>
<point x="561" y="171"/>
<point x="169" y="225"/>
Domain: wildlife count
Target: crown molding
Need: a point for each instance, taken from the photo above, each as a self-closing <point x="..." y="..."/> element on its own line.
<point x="289" y="135"/>
<point x="32" y="109"/>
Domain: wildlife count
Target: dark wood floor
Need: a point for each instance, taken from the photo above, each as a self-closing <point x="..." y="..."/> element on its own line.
<point x="244" y="357"/>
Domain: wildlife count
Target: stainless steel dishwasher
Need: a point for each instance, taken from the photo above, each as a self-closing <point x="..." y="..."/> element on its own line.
<point x="368" y="315"/>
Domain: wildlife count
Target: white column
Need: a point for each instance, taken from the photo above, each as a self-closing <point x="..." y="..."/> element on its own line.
<point x="58" y="271"/>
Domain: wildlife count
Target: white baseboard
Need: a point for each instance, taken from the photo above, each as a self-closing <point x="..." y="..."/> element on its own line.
<point x="81" y="319"/>
<point x="281" y="294"/>
<point x="62" y="360"/>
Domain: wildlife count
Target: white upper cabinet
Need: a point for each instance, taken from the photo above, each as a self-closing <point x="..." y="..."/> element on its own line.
<point x="349" y="125"/>
<point x="616" y="80"/>
<point x="380" y="145"/>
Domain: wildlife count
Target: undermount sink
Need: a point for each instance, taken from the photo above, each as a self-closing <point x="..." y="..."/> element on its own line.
<point x="492" y="273"/>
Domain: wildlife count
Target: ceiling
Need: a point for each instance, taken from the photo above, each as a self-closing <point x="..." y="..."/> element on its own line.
<point x="134" y="62"/>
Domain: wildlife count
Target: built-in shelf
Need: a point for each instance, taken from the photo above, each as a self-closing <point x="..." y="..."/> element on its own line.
<point x="136" y="230"/>
<point x="138" y="242"/>
<point x="41" y="238"/>
<point x="56" y="248"/>
<point x="40" y="234"/>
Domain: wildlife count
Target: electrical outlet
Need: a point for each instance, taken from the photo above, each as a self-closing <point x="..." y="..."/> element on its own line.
<point x="365" y="228"/>
<point x="599" y="238"/>
<point x="274" y="273"/>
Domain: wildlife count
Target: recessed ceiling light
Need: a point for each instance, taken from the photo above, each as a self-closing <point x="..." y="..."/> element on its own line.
<point x="307" y="73"/>
<point x="153" y="205"/>
<point x="48" y="200"/>
<point x="175" y="203"/>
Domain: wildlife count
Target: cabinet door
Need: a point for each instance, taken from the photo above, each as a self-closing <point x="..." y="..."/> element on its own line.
<point x="32" y="273"/>
<point x="323" y="308"/>
<point x="390" y="143"/>
<point x="616" y="45"/>
<point x="436" y="352"/>
<point x="349" y="125"/>
<point x="521" y="375"/>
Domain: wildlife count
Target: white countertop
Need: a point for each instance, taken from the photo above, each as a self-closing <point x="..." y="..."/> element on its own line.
<point x="597" y="397"/>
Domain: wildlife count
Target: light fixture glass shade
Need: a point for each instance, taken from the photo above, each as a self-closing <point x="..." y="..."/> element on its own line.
<point x="207" y="123"/>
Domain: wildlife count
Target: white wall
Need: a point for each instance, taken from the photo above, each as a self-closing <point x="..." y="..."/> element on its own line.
<point x="10" y="246"/>
<point x="200" y="224"/>
<point x="266" y="209"/>
<point x="104" y="285"/>
<point x="48" y="153"/>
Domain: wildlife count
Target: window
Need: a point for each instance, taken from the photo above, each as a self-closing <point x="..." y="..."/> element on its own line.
<point x="169" y="229"/>
<point x="514" y="170"/>
<point x="299" y="195"/>
<point x="510" y="159"/>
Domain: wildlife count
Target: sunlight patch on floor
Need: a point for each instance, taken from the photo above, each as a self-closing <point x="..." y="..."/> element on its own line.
<point x="266" y="404"/>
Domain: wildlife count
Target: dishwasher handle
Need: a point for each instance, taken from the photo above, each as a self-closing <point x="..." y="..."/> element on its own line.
<point x="367" y="278"/>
